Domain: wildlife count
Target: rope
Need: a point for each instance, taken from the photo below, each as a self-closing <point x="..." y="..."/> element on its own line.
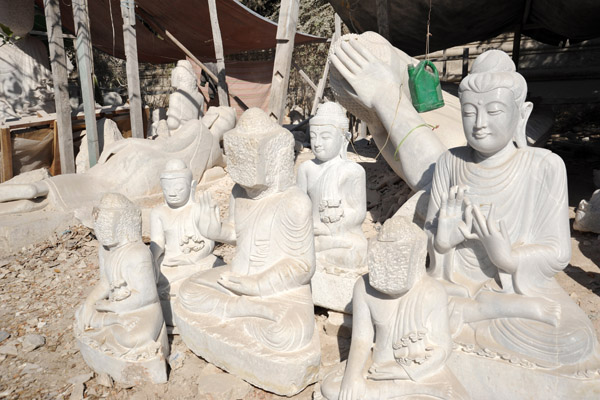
<point x="428" y="33"/>
<point x="112" y="23"/>
<point x="432" y="127"/>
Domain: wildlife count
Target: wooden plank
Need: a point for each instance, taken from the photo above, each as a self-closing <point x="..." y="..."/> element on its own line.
<point x="383" y="19"/>
<point x="286" y="31"/>
<point x="219" y="54"/>
<point x="84" y="66"/>
<point x="6" y="149"/>
<point x="304" y="76"/>
<point x="132" y="68"/>
<point x="55" y="167"/>
<point x="58" y="63"/>
<point x="321" y="88"/>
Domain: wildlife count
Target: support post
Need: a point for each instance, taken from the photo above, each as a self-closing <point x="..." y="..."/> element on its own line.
<point x="218" y="42"/>
<point x="286" y="32"/>
<point x="304" y="76"/>
<point x="321" y="87"/>
<point x="133" y="77"/>
<point x="84" y="63"/>
<point x="58" y="63"/>
<point x="465" y="62"/>
<point x="383" y="18"/>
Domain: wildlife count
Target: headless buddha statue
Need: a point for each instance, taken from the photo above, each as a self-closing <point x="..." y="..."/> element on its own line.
<point x="263" y="295"/>
<point x="406" y="312"/>
<point x="337" y="189"/>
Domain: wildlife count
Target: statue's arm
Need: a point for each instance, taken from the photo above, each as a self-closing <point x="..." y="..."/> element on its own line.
<point x="100" y="292"/>
<point x="157" y="236"/>
<point x="362" y="339"/>
<point x="355" y="191"/>
<point x="301" y="177"/>
<point x="438" y="341"/>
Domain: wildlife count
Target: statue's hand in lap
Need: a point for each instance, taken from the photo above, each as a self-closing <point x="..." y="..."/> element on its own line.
<point x="364" y="72"/>
<point x="494" y="236"/>
<point x="452" y="228"/>
<point x="240" y="284"/>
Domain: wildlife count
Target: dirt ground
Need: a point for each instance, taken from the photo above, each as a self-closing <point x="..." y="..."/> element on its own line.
<point x="41" y="286"/>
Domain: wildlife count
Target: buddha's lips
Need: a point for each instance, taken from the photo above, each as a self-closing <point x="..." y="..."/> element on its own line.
<point x="481" y="135"/>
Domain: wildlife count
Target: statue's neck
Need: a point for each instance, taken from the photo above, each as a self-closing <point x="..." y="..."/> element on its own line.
<point x="495" y="159"/>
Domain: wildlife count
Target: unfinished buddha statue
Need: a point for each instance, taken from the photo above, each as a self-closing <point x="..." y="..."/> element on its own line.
<point x="186" y="102"/>
<point x="120" y="328"/>
<point x="254" y="317"/>
<point x="337" y="189"/>
<point x="406" y="312"/>
<point x="178" y="247"/>
<point x="499" y="231"/>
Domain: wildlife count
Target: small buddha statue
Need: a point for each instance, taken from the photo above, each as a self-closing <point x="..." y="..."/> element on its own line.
<point x="120" y="328"/>
<point x="178" y="248"/>
<point x="254" y="317"/>
<point x="406" y="313"/>
<point x="498" y="223"/>
<point x="337" y="189"/>
<point x="186" y="102"/>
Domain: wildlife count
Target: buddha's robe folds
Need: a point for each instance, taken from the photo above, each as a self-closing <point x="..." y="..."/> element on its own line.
<point x="139" y="329"/>
<point x="336" y="188"/>
<point x="529" y="193"/>
<point x="275" y="247"/>
<point x="135" y="166"/>
<point x="184" y="106"/>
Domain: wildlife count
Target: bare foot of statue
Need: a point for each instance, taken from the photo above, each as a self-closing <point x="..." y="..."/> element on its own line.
<point x="494" y="305"/>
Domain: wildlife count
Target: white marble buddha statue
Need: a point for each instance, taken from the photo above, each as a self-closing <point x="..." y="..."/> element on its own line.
<point x="337" y="189"/>
<point x="186" y="102"/>
<point x="178" y="248"/>
<point x="400" y="334"/>
<point x="120" y="325"/>
<point x="499" y="230"/>
<point x="257" y="312"/>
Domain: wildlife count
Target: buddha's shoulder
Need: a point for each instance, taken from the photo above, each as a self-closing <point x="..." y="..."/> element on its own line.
<point x="544" y="158"/>
<point x="461" y="152"/>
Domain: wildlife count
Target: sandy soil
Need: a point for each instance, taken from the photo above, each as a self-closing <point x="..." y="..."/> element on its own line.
<point x="41" y="286"/>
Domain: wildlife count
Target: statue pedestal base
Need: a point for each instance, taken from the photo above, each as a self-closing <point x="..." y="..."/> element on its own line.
<point x="332" y="291"/>
<point x="129" y="372"/>
<point x="486" y="378"/>
<point x="224" y="344"/>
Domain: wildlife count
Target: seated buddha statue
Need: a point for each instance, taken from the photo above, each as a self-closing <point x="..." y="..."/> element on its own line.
<point x="498" y="223"/>
<point x="257" y="312"/>
<point x="120" y="326"/>
<point x="337" y="189"/>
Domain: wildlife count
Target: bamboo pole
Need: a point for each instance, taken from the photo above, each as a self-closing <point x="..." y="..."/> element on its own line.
<point x="321" y="88"/>
<point x="218" y="42"/>
<point x="133" y="77"/>
<point x="58" y="63"/>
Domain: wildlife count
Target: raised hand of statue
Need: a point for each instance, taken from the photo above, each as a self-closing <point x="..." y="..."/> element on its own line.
<point x="84" y="317"/>
<point x="494" y="237"/>
<point x="364" y="72"/>
<point x="240" y="284"/>
<point x="353" y="388"/>
<point x="452" y="229"/>
<point x="210" y="225"/>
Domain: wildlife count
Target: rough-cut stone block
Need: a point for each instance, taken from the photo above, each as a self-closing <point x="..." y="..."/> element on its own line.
<point x="487" y="378"/>
<point x="333" y="292"/>
<point x="128" y="372"/>
<point x="225" y="345"/>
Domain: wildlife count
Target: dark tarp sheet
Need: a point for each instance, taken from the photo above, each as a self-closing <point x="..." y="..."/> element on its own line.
<point x="456" y="22"/>
<point x="188" y="21"/>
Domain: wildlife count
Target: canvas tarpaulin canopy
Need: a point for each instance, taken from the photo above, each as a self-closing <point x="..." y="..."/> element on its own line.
<point x="456" y="22"/>
<point x="188" y="21"/>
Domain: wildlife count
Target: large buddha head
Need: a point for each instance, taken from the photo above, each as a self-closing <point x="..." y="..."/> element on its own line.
<point x="117" y="220"/>
<point x="260" y="153"/>
<point x="176" y="183"/>
<point x="329" y="132"/>
<point x="492" y="98"/>
<point x="183" y="77"/>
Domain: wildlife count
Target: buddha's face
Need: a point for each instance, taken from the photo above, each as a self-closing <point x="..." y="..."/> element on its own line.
<point x="106" y="223"/>
<point x="490" y="119"/>
<point x="326" y="141"/>
<point x="176" y="191"/>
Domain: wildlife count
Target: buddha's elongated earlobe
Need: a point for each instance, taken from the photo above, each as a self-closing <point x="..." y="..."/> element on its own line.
<point x="520" y="136"/>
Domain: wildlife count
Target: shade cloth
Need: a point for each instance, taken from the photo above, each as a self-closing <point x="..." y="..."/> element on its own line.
<point x="456" y="22"/>
<point x="188" y="21"/>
